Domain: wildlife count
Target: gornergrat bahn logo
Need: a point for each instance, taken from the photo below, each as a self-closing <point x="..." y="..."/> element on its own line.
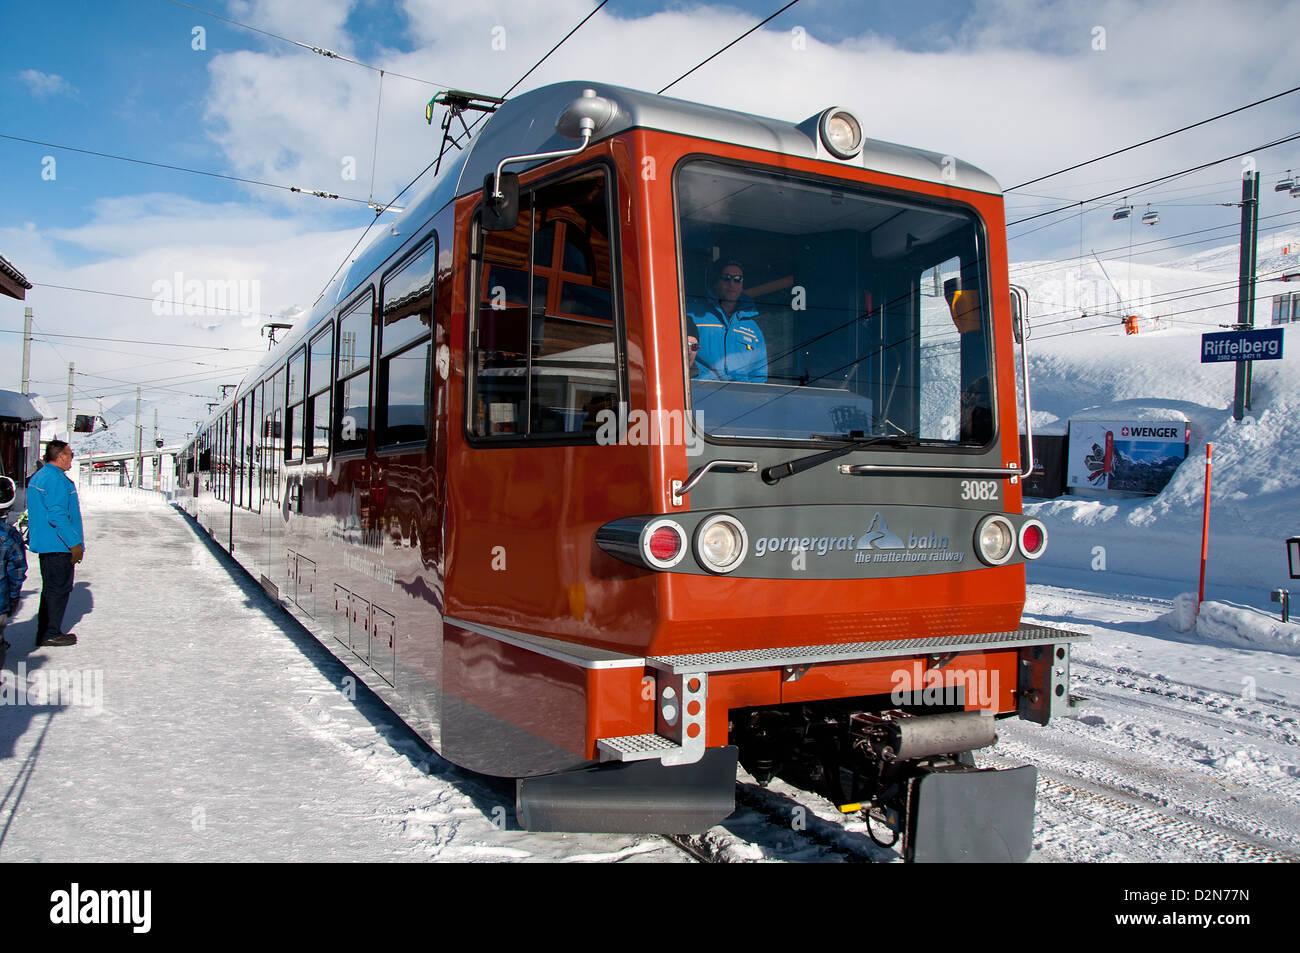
<point x="876" y="544"/>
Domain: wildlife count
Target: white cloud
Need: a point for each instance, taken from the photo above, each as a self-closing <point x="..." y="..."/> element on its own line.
<point x="45" y="85"/>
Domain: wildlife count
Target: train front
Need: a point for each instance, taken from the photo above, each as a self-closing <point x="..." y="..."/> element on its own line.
<point x="841" y="554"/>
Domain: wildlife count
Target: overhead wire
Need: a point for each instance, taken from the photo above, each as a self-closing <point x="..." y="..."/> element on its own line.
<point x="120" y="294"/>
<point x="1147" y="142"/>
<point x="318" y="193"/>
<point x="1133" y="189"/>
<point x="322" y="51"/>
<point x="1048" y="265"/>
<point x="432" y="162"/>
<point x="87" y="337"/>
<point x="724" y="49"/>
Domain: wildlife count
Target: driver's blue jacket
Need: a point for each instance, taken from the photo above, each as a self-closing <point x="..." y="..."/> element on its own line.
<point x="731" y="348"/>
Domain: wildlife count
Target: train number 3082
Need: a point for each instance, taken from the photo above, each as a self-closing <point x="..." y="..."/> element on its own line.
<point x="979" y="489"/>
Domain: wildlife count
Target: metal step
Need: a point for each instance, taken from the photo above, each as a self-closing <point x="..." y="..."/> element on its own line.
<point x="636" y="747"/>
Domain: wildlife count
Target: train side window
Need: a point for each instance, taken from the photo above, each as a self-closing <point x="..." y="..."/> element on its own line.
<point x="319" y="381"/>
<point x="352" y="401"/>
<point x="275" y="435"/>
<point x="256" y="407"/>
<point x="545" y="354"/>
<point x="240" y="411"/>
<point x="293" y="415"/>
<point x="221" y="457"/>
<point x="402" y="383"/>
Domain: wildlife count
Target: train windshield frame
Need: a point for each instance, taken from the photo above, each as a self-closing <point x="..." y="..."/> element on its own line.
<point x="818" y="309"/>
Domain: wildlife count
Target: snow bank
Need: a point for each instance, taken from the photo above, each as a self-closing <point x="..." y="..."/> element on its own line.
<point x="1231" y="624"/>
<point x="1183" y="616"/>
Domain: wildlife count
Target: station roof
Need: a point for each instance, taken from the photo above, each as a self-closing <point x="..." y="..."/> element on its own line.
<point x="12" y="281"/>
<point x="16" y="406"/>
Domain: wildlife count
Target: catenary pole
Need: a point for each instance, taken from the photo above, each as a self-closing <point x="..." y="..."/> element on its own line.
<point x="27" y="350"/>
<point x="1246" y="285"/>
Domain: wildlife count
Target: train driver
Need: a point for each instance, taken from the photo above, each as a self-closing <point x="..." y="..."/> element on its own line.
<point x="731" y="343"/>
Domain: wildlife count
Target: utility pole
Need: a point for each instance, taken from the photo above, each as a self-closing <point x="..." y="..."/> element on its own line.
<point x="1246" y="285"/>
<point x="139" y="467"/>
<point x="27" y="350"/>
<point x="157" y="455"/>
<point x="68" y="421"/>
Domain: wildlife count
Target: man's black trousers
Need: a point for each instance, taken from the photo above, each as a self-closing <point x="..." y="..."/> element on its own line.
<point x="56" y="586"/>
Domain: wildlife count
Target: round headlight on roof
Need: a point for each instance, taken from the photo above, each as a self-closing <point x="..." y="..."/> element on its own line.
<point x="841" y="133"/>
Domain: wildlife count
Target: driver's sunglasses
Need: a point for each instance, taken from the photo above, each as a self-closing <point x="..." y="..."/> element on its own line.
<point x="738" y="279"/>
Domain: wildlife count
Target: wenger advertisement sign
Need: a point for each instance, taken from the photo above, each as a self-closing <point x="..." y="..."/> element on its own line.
<point x="1133" y="455"/>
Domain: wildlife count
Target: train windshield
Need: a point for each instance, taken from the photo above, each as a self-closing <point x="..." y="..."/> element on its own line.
<point x="817" y="310"/>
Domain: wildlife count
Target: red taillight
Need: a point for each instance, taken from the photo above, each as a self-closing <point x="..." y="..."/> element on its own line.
<point x="665" y="544"/>
<point x="1033" y="539"/>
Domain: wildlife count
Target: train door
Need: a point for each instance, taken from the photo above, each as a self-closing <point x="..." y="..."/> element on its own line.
<point x="545" y="368"/>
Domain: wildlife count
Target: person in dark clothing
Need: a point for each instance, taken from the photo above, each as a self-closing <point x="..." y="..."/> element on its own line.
<point x="13" y="570"/>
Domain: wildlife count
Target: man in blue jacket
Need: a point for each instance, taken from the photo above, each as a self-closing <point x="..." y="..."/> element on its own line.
<point x="731" y="342"/>
<point x="54" y="528"/>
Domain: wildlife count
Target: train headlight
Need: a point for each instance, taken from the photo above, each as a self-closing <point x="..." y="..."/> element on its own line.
<point x="1033" y="539"/>
<point x="995" y="540"/>
<point x="663" y="543"/>
<point x="721" y="543"/>
<point x="841" y="133"/>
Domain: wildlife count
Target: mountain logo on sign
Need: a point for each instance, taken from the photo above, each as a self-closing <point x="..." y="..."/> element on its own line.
<point x="878" y="536"/>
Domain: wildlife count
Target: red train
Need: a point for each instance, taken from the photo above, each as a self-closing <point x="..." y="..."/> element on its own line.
<point x="654" y="437"/>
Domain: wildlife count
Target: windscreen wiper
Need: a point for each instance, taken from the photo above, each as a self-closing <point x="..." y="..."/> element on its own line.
<point x="774" y="474"/>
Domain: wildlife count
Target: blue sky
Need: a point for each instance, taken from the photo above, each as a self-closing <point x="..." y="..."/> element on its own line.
<point x="1018" y="88"/>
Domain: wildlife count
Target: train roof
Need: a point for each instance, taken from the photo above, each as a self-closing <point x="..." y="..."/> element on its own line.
<point x="525" y="125"/>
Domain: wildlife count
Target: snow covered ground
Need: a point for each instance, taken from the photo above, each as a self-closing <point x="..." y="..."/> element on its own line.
<point x="212" y="727"/>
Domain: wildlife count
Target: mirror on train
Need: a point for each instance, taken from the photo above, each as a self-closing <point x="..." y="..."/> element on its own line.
<point x="501" y="214"/>
<point x="8" y="491"/>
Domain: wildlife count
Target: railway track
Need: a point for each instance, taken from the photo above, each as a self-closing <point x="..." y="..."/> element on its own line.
<point x="773" y="825"/>
<point x="1191" y="691"/>
<point x="1141" y="813"/>
<point x="1273" y="728"/>
<point x="1171" y="826"/>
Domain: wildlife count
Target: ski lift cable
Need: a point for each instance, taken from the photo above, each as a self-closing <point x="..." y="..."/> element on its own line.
<point x="1161" y="178"/>
<point x="1051" y="264"/>
<point x="1147" y="142"/>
